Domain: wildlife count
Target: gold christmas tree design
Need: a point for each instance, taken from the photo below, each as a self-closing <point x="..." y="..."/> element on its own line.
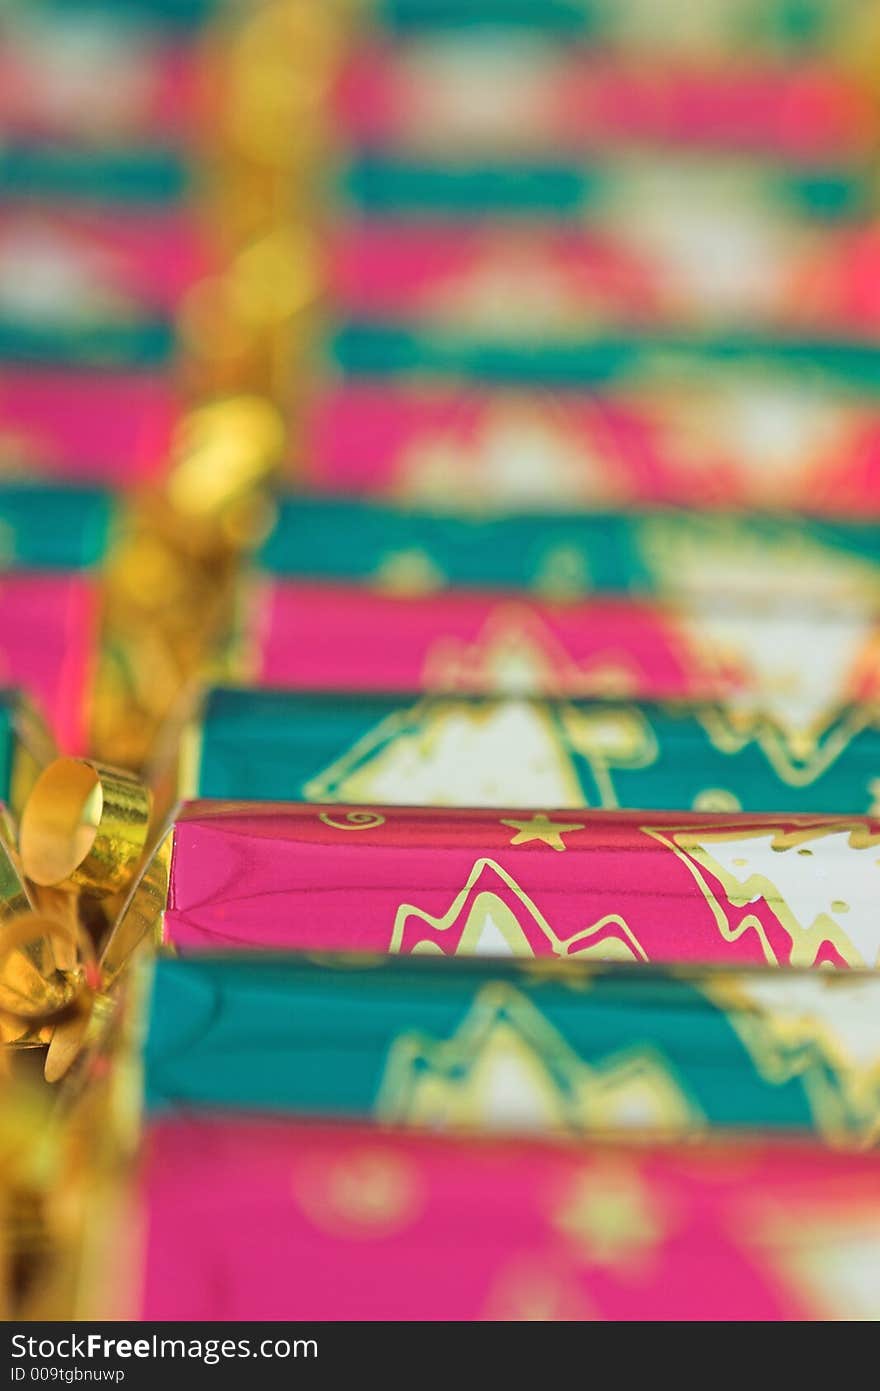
<point x="821" y="884"/>
<point x="523" y="455"/>
<point x="489" y="753"/>
<point x="507" y="1068"/>
<point x="821" y="1028"/>
<point x="751" y="607"/>
<point x="481" y="921"/>
<point x="515" y="653"/>
<point x="830" y="1258"/>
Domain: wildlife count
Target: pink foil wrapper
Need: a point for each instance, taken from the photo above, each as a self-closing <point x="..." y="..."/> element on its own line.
<point x="507" y="282"/>
<point x="77" y="264"/>
<point x="260" y="1220"/>
<point x="636" y="886"/>
<point x="48" y="633"/>
<point x="95" y="427"/>
<point x="740" y="441"/>
<point x="753" y="654"/>
<point x="310" y="636"/>
<point x="92" y="89"/>
<point x="522" y="99"/>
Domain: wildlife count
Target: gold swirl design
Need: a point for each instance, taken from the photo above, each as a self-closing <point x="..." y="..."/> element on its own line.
<point x="353" y="820"/>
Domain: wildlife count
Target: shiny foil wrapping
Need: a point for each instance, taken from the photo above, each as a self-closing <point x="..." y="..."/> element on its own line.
<point x="340" y="1223"/>
<point x="531" y="94"/>
<point x="454" y="750"/>
<point x="82" y="78"/>
<point x="517" y="956"/>
<point x="651" y="606"/>
<point x="54" y="542"/>
<point x="98" y="105"/>
<point x="695" y="437"/>
<point x="26" y="746"/>
<point x="122" y="272"/>
<point x="766" y="560"/>
<point x="519" y="1046"/>
<point x="310" y="636"/>
<point x="635" y="257"/>
<point x="668" y="29"/>
<point x="112" y="429"/>
<point x="732" y="890"/>
<point x="583" y="359"/>
<point x="48" y="634"/>
<point x="754" y="657"/>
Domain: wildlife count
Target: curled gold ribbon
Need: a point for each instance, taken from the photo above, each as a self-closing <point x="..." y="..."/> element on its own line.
<point x="84" y="827"/>
<point x="138" y="922"/>
<point x="82" y="836"/>
<point x="36" y="981"/>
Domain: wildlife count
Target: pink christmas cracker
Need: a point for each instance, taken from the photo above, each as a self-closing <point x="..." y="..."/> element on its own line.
<point x="120" y="264"/>
<point x="48" y="632"/>
<point x="504" y="281"/>
<point x="541" y="99"/>
<point x="636" y="886"/>
<point x="106" y="428"/>
<point x="312" y="636"/>
<point x="273" y="1220"/>
<point x="698" y="444"/>
<point x="105" y="93"/>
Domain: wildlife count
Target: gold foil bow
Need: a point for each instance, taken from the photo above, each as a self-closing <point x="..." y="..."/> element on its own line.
<point x="83" y="836"/>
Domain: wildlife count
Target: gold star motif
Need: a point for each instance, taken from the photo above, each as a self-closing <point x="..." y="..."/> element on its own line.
<point x="609" y="1213"/>
<point x="542" y="828"/>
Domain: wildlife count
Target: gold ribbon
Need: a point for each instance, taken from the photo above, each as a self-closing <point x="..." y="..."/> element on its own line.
<point x="83" y="835"/>
<point x="84" y="827"/>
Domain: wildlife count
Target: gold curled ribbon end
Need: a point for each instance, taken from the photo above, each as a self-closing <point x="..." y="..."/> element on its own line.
<point x="82" y="837"/>
<point x="84" y="827"/>
<point x="37" y="980"/>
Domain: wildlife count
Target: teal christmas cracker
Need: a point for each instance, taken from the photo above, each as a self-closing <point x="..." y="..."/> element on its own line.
<point x="571" y="554"/>
<point x="46" y="526"/>
<point x="779" y="26"/>
<point x="173" y="16"/>
<point x="443" y="750"/>
<point x="395" y="185"/>
<point x="132" y="176"/>
<point x="24" y="748"/>
<point x="362" y="348"/>
<point x="477" y="1045"/>
<point x="145" y="343"/>
<point x="8" y="742"/>
<point x="91" y="285"/>
<point x="120" y="149"/>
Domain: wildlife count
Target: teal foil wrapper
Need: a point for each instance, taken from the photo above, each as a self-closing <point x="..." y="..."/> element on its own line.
<point x="483" y="1046"/>
<point x="139" y="175"/>
<point x="686" y="26"/>
<point x="263" y="745"/>
<point x="178" y="17"/>
<point x="764" y="559"/>
<point x="49" y="527"/>
<point x="25" y="746"/>
<point x="571" y="191"/>
<point x="375" y="349"/>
